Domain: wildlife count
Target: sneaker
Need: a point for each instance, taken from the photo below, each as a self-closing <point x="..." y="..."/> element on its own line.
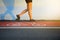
<point x="18" y="18"/>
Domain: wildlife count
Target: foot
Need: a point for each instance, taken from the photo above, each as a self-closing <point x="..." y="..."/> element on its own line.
<point x="18" y="18"/>
<point x="32" y="20"/>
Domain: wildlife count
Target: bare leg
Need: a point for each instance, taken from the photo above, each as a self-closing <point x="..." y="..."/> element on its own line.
<point x="29" y="7"/>
<point x="23" y="12"/>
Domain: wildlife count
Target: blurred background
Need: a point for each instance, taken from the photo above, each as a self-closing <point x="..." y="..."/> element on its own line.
<point x="41" y="9"/>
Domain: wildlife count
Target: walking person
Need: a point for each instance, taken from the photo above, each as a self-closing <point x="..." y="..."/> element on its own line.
<point x="29" y="10"/>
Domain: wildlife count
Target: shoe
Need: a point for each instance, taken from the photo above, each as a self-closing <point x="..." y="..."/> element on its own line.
<point x="18" y="18"/>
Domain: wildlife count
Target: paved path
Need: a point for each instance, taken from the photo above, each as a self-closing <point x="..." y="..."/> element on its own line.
<point x="24" y="23"/>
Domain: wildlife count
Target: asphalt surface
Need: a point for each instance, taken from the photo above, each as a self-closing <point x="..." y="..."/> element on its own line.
<point x="30" y="34"/>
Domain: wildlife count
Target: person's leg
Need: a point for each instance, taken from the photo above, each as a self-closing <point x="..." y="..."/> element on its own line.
<point x="29" y="7"/>
<point x="23" y="12"/>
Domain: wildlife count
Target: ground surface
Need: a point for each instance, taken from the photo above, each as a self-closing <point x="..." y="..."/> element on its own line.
<point x="30" y="34"/>
<point x="27" y="23"/>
